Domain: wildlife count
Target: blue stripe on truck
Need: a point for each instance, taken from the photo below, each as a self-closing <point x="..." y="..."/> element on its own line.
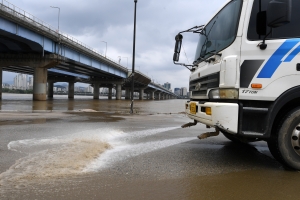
<point x="276" y="59"/>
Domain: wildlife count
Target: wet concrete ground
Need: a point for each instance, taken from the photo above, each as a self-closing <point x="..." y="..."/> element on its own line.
<point x="96" y="150"/>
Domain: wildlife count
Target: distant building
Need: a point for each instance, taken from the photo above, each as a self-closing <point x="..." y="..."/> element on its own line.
<point x="104" y="90"/>
<point x="76" y="89"/>
<point x="177" y="91"/>
<point x="167" y="85"/>
<point x="79" y="89"/>
<point x="5" y="85"/>
<point x="20" y="81"/>
<point x="183" y="91"/>
<point x="60" y="88"/>
<point x="30" y="83"/>
<point x="89" y="89"/>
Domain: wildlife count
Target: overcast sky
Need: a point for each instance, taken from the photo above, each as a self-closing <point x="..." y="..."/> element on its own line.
<point x="158" y="21"/>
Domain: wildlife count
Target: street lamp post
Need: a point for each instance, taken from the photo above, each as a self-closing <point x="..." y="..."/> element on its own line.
<point x="133" y="58"/>
<point x="127" y="61"/>
<point x="119" y="59"/>
<point x="105" y="47"/>
<point x="58" y="27"/>
<point x="58" y="15"/>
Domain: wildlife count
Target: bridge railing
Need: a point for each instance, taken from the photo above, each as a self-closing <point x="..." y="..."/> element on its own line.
<point x="137" y="71"/>
<point x="162" y="88"/>
<point x="29" y="18"/>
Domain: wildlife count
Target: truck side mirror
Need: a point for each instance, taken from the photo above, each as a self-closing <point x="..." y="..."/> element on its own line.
<point x="177" y="49"/>
<point x="279" y="13"/>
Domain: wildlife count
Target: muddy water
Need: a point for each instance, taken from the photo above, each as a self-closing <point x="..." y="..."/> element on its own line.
<point x="86" y="149"/>
<point x="61" y="103"/>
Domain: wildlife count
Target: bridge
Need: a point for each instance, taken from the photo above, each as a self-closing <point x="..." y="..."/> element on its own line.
<point x="30" y="46"/>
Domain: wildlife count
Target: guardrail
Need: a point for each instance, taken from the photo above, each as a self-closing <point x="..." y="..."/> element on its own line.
<point x="137" y="71"/>
<point x="161" y="87"/>
<point x="29" y="18"/>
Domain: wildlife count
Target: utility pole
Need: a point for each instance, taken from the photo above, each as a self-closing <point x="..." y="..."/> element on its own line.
<point x="105" y="48"/>
<point x="133" y="58"/>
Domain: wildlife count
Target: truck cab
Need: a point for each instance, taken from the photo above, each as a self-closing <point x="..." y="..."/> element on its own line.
<point x="245" y="78"/>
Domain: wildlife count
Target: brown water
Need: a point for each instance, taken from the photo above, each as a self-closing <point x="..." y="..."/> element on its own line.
<point x="23" y="102"/>
<point x="94" y="149"/>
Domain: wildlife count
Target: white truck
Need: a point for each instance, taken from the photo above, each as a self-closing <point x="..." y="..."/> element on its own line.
<point x="245" y="78"/>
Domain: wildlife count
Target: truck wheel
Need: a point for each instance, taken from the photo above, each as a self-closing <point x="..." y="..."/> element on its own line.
<point x="284" y="144"/>
<point x="237" y="139"/>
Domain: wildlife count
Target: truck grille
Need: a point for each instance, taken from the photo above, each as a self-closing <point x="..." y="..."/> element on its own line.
<point x="207" y="82"/>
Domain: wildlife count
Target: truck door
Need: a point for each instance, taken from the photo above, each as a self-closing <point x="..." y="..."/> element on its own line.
<point x="275" y="68"/>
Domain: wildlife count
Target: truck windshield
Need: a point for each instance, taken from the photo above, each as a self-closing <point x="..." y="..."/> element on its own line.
<point x="220" y="32"/>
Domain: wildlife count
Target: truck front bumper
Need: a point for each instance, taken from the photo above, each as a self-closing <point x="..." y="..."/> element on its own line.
<point x="225" y="116"/>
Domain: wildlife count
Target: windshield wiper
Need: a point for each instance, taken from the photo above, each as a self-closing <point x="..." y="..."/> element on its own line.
<point x="213" y="53"/>
<point x="206" y="42"/>
<point x="210" y="52"/>
<point x="199" y="60"/>
<point x="195" y="29"/>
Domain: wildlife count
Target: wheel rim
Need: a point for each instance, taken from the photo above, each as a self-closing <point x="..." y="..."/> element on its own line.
<point x="296" y="139"/>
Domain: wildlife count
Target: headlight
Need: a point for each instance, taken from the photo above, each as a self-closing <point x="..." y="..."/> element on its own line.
<point x="223" y="94"/>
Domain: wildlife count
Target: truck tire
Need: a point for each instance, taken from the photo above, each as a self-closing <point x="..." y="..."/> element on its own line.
<point x="235" y="139"/>
<point x="284" y="143"/>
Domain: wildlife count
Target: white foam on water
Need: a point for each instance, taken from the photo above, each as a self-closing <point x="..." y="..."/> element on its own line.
<point x="74" y="154"/>
<point x="70" y="155"/>
<point x="100" y="134"/>
<point x="149" y="132"/>
<point x="97" y="134"/>
<point x="121" y="153"/>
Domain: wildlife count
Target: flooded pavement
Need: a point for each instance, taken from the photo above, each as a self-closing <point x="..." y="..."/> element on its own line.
<point x="86" y="149"/>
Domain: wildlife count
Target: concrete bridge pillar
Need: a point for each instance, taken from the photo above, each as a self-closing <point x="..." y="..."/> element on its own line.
<point x="40" y="84"/>
<point x="96" y="90"/>
<point x="152" y="95"/>
<point x="40" y="64"/>
<point x="118" y="91"/>
<point x="158" y="96"/>
<point x="71" y="90"/>
<point x="127" y="93"/>
<point x="50" y="89"/>
<point x="141" y="97"/>
<point x="110" y="93"/>
<point x="1" y="71"/>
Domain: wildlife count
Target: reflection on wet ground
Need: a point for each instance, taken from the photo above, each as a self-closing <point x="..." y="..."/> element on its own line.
<point x="96" y="150"/>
